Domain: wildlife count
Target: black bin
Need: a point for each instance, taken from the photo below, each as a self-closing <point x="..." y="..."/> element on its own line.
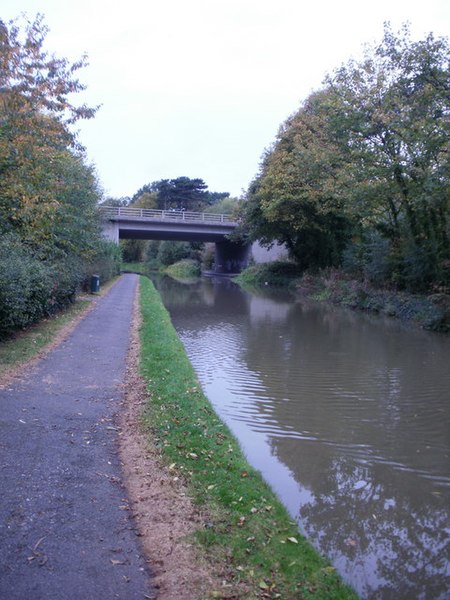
<point x="95" y="284"/>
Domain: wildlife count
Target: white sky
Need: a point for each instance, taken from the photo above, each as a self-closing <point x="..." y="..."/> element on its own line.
<point x="199" y="88"/>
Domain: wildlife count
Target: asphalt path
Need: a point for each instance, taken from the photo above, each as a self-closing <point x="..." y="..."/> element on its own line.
<point x="65" y="527"/>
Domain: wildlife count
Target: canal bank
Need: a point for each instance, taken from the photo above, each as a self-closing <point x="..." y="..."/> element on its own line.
<point x="344" y="413"/>
<point x="249" y="537"/>
<point x="432" y="311"/>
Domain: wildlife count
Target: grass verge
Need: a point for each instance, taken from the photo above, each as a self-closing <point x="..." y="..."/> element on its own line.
<point x="25" y="345"/>
<point x="249" y="537"/>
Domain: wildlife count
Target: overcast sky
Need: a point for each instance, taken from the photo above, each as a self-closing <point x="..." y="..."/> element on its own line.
<point x="199" y="88"/>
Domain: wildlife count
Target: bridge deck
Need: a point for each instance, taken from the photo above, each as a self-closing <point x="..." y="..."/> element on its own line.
<point x="115" y="213"/>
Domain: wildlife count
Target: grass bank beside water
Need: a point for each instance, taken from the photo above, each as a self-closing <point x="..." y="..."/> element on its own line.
<point x="430" y="312"/>
<point x="249" y="537"/>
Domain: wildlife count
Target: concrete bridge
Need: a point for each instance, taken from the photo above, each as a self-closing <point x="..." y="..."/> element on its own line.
<point x="148" y="224"/>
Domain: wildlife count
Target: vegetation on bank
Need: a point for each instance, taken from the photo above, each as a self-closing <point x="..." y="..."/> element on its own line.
<point x="23" y="346"/>
<point x="249" y="537"/>
<point x="133" y="267"/>
<point x="274" y="274"/>
<point x="26" y="345"/>
<point x="430" y="311"/>
<point x="184" y="269"/>
<point x="50" y="235"/>
<point x="358" y="177"/>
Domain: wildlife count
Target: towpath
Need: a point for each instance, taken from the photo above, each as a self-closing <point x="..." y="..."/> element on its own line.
<point x="65" y="527"/>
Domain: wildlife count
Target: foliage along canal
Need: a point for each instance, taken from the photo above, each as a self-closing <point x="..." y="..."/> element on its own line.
<point x="346" y="416"/>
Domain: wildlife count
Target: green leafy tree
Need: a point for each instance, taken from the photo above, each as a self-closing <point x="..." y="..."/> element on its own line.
<point x="392" y="110"/>
<point x="36" y="113"/>
<point x="366" y="156"/>
<point x="225" y="205"/>
<point x="297" y="197"/>
<point x="180" y="193"/>
<point x="49" y="229"/>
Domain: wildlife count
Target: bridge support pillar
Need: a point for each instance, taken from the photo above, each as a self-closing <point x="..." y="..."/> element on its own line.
<point x="231" y="257"/>
<point x="110" y="231"/>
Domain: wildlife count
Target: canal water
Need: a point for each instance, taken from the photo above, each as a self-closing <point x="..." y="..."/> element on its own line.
<point x="346" y="416"/>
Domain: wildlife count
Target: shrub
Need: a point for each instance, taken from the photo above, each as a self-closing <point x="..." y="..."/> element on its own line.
<point x="208" y="257"/>
<point x="105" y="262"/>
<point x="170" y="252"/>
<point x="67" y="277"/>
<point x="25" y="286"/>
<point x="185" y="268"/>
<point x="277" y="273"/>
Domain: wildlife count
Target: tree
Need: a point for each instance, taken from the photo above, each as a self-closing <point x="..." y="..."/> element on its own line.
<point x="393" y="109"/>
<point x="49" y="228"/>
<point x="297" y="197"/>
<point x="35" y="118"/>
<point x="180" y="193"/>
<point x="366" y="156"/>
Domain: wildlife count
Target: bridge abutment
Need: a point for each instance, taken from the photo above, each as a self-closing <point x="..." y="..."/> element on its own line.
<point x="231" y="257"/>
<point x="110" y="231"/>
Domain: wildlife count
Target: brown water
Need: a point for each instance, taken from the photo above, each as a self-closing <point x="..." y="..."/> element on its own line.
<point x="345" y="415"/>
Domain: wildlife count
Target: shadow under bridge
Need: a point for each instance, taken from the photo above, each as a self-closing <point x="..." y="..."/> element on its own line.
<point x="148" y="224"/>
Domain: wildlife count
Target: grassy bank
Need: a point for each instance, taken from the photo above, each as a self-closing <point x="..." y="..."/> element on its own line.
<point x="26" y="345"/>
<point x="430" y="312"/>
<point x="249" y="537"/>
<point x="274" y="274"/>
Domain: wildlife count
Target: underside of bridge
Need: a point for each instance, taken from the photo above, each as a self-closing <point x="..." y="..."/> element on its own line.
<point x="230" y="257"/>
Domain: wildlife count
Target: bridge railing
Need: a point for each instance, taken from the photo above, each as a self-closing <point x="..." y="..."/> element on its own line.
<point x="124" y="212"/>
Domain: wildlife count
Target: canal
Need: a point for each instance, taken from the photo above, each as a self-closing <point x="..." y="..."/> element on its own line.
<point x="346" y="415"/>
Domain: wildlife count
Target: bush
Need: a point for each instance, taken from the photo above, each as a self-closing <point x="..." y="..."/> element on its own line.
<point x="105" y="262"/>
<point x="30" y="288"/>
<point x="377" y="261"/>
<point x="170" y="252"/>
<point x="277" y="274"/>
<point x="208" y="257"/>
<point x="67" y="275"/>
<point x="184" y="269"/>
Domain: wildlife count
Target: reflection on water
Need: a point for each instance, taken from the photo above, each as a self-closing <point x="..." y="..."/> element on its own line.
<point x="346" y="416"/>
